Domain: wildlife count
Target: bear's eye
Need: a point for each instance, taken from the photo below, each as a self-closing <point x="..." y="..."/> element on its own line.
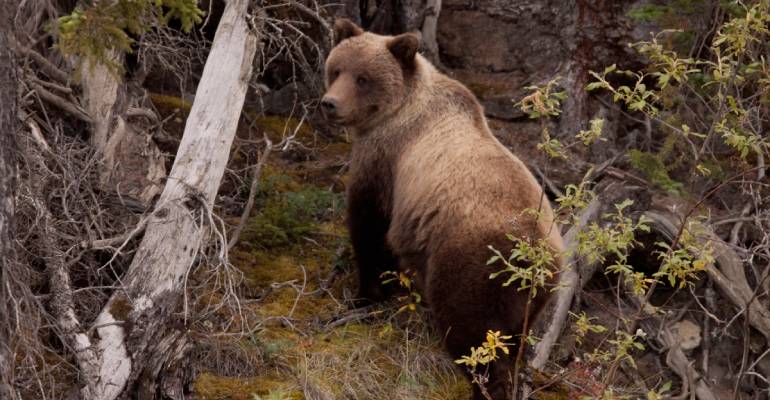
<point x="335" y="74"/>
<point x="361" y="81"/>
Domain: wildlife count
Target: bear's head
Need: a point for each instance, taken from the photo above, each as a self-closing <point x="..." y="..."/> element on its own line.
<point x="368" y="76"/>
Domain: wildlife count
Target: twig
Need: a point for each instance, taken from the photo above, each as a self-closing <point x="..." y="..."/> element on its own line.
<point x="143" y="112"/>
<point x="549" y="183"/>
<point x="51" y="85"/>
<point x="37" y="135"/>
<point x="60" y="102"/>
<point x="315" y="16"/>
<point x="114" y="241"/>
<point x="692" y="382"/>
<point x="252" y="193"/>
<point x="51" y="70"/>
<point x="356" y="315"/>
<point x="520" y="352"/>
<point x="570" y="276"/>
<point x="729" y="276"/>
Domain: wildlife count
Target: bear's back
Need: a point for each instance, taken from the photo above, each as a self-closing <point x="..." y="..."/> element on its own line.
<point x="455" y="173"/>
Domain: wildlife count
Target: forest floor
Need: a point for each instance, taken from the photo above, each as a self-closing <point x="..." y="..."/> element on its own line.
<point x="295" y="258"/>
<point x="294" y="334"/>
<point x="304" y="339"/>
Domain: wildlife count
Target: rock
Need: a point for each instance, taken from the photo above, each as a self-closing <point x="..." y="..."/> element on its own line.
<point x="500" y="35"/>
<point x="688" y="334"/>
<point x="497" y="92"/>
<point x="380" y="16"/>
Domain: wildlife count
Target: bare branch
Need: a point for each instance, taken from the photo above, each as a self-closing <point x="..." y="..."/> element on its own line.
<point x="61" y="103"/>
<point x="727" y="272"/>
<point x="48" y="67"/>
<point x="570" y="277"/>
<point x="252" y="193"/>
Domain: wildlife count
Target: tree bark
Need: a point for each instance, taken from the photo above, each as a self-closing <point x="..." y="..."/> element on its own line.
<point x="131" y="163"/>
<point x="8" y="181"/>
<point x="134" y="325"/>
<point x="429" y="28"/>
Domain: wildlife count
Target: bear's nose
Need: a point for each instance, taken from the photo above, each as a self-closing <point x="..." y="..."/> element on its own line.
<point x="329" y="105"/>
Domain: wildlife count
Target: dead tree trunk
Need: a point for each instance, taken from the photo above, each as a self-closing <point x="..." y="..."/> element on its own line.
<point x="8" y="128"/>
<point x="429" y="28"/>
<point x="131" y="163"/>
<point x="134" y="325"/>
<point x="596" y="38"/>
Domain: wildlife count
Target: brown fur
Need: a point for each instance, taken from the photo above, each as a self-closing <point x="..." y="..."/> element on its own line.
<point x="430" y="188"/>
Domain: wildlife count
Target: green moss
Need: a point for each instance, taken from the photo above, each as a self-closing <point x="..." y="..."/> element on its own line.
<point x="294" y="239"/>
<point x="656" y="13"/>
<point x="262" y="269"/>
<point x="648" y="12"/>
<point x="676" y="15"/>
<point x="278" y="127"/>
<point x="288" y="211"/>
<point x="170" y="103"/>
<point x="553" y="390"/>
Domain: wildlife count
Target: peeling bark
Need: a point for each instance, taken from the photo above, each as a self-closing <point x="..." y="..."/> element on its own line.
<point x="132" y="164"/>
<point x="568" y="282"/>
<point x="62" y="304"/>
<point x="429" y="28"/>
<point x="133" y="327"/>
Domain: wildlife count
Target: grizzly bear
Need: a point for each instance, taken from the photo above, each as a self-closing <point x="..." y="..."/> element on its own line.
<point x="430" y="189"/>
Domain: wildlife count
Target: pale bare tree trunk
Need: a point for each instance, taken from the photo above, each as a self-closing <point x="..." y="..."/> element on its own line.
<point x="131" y="164"/>
<point x="134" y="336"/>
<point x="429" y="27"/>
<point x="8" y="179"/>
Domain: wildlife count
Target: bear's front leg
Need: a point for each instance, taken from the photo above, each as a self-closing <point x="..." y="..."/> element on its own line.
<point x="368" y="225"/>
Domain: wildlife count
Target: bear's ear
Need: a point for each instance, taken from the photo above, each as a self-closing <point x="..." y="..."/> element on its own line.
<point x="404" y="48"/>
<point x="345" y="28"/>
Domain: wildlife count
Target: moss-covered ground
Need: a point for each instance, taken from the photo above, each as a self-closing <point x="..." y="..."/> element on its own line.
<point x="304" y="339"/>
<point x="293" y="332"/>
<point x="294" y="255"/>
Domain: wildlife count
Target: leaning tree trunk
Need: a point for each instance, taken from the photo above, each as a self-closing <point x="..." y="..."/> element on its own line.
<point x="8" y="127"/>
<point x="133" y="327"/>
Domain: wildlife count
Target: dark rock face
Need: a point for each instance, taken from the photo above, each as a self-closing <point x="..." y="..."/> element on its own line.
<point x="498" y="47"/>
<point x="503" y="36"/>
<point x="381" y="16"/>
<point x="530" y="36"/>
